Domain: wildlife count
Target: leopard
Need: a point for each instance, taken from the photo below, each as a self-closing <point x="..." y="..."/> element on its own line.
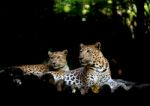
<point x="98" y="72"/>
<point x="57" y="61"/>
<point x="93" y="73"/>
<point x="74" y="78"/>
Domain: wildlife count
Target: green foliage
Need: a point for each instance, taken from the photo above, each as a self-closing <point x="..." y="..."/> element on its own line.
<point x="126" y="9"/>
<point x="72" y="7"/>
<point x="147" y="8"/>
<point x="147" y="16"/>
<point x="82" y="7"/>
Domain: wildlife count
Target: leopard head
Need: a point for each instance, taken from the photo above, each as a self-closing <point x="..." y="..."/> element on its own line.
<point x="58" y="59"/>
<point x="89" y="54"/>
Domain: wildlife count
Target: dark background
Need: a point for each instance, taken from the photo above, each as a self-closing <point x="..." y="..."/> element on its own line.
<point x="30" y="28"/>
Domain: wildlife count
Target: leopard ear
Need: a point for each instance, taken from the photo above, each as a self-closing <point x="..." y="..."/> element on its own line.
<point x="98" y="45"/>
<point x="81" y="45"/>
<point x="65" y="51"/>
<point x="49" y="53"/>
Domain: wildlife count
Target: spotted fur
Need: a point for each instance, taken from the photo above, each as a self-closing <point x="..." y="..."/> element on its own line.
<point x="74" y="78"/>
<point x="94" y="73"/>
<point x="98" y="71"/>
<point x="57" y="61"/>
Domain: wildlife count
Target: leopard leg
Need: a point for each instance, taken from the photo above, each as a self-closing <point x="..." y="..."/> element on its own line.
<point x="115" y="85"/>
<point x="83" y="91"/>
<point x="125" y="82"/>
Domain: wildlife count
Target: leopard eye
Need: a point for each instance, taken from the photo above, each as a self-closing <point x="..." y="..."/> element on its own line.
<point x="51" y="57"/>
<point x="58" y="57"/>
<point x="88" y="51"/>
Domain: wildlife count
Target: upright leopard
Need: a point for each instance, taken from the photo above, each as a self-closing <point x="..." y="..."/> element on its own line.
<point x="98" y="71"/>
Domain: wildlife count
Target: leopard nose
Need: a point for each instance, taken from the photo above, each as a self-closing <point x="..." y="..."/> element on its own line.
<point x="54" y="63"/>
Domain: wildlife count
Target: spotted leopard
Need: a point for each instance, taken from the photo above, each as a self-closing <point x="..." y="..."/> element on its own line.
<point x="57" y="61"/>
<point x="94" y="73"/>
<point x="98" y="71"/>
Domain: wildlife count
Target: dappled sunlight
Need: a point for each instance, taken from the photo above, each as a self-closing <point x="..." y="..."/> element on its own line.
<point x="126" y="9"/>
<point x="147" y="16"/>
<point x="85" y="9"/>
<point x="106" y="11"/>
<point x="67" y="8"/>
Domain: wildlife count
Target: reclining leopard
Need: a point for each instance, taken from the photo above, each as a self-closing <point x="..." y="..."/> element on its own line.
<point x="57" y="61"/>
<point x="95" y="71"/>
<point x="98" y="73"/>
<point x="94" y="74"/>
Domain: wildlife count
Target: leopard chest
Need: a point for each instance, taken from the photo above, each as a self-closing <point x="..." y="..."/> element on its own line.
<point x="97" y="75"/>
<point x="92" y="78"/>
<point x="58" y="75"/>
